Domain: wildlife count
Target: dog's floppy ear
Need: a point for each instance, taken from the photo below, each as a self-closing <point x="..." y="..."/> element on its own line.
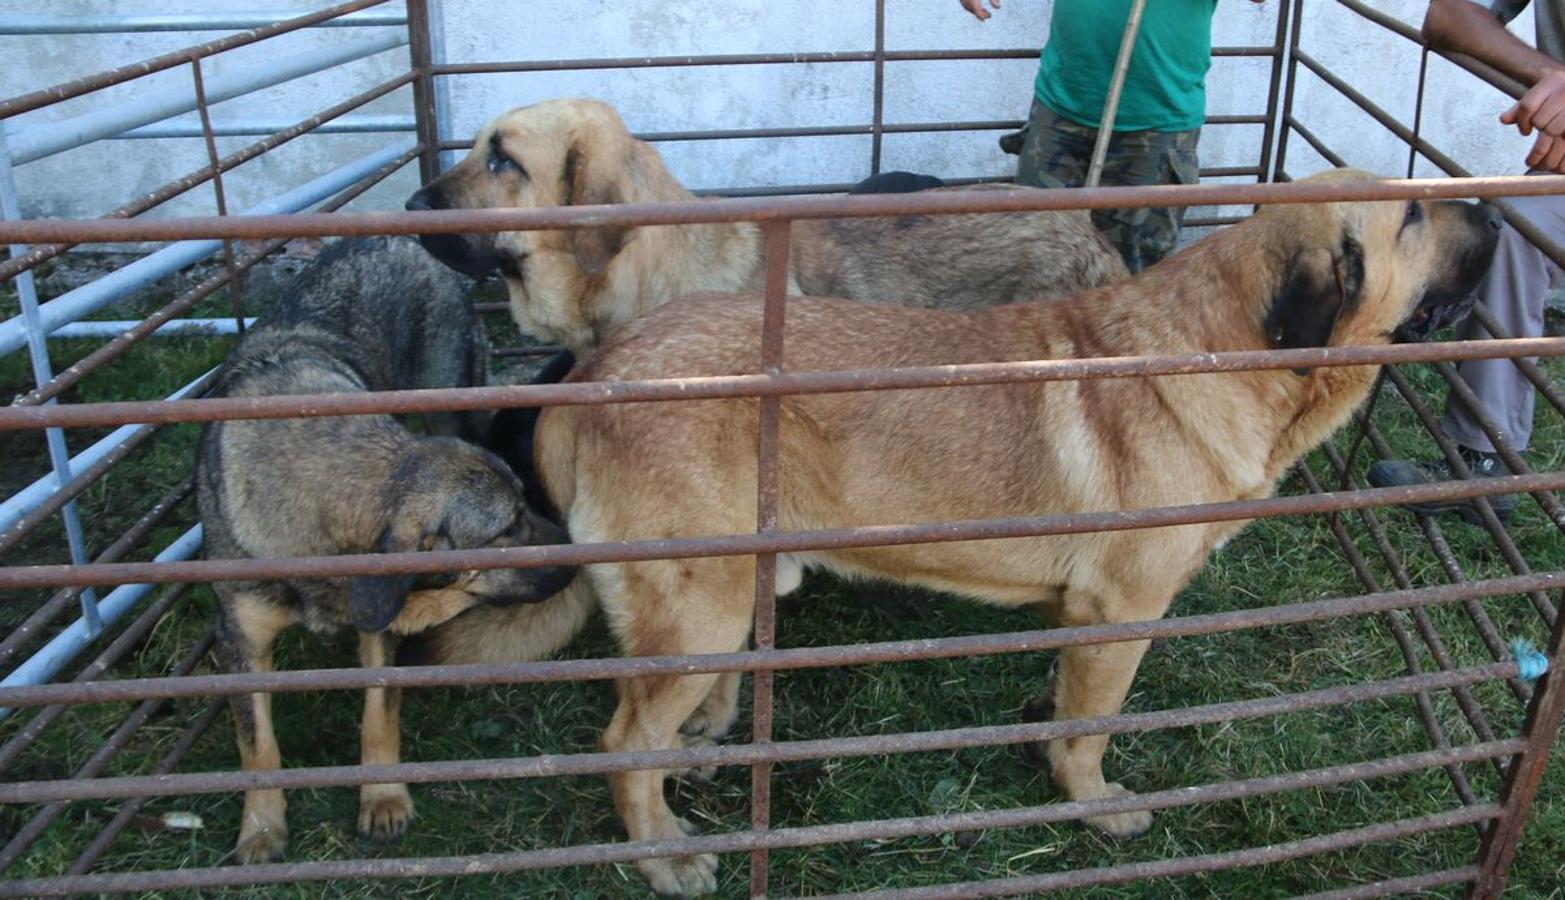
<point x="375" y="600"/>
<point x="591" y="181"/>
<point x="1317" y="287"/>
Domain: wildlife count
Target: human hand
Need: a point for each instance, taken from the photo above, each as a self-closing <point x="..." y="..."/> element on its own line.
<point x="1548" y="152"/>
<point x="976" y="7"/>
<point x="1542" y="108"/>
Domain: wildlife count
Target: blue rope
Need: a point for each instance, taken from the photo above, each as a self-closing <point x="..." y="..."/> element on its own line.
<point x="1530" y="662"/>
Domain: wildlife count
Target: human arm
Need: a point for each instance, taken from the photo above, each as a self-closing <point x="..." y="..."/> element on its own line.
<point x="1463" y="26"/>
<point x="1466" y="27"/>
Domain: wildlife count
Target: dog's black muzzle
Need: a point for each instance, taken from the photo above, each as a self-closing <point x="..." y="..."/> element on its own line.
<point x="539" y="584"/>
<point x="1450" y="302"/>
<point x="471" y="254"/>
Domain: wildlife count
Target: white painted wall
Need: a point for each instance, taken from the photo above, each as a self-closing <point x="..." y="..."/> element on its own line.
<point x="1459" y="115"/>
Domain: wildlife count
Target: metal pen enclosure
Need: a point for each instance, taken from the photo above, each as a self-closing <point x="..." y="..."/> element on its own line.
<point x="44" y="644"/>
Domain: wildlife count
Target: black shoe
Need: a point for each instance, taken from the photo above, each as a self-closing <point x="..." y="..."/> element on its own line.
<point x="1012" y="143"/>
<point x="1407" y="473"/>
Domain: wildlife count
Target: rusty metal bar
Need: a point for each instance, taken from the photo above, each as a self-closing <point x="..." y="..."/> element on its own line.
<point x="1426" y="627"/>
<point x="775" y="660"/>
<point x="740" y="754"/>
<point x="70" y="376"/>
<point x="1546" y="244"/>
<point x="75" y="88"/>
<point x="1278" y="173"/>
<point x="423" y="90"/>
<point x="175" y="755"/>
<point x="878" y="118"/>
<point x="132" y="538"/>
<point x="1486" y="73"/>
<point x="1418" y="111"/>
<point x="1191" y="865"/>
<point x="887" y="829"/>
<point x="1273" y="92"/>
<point x="1525" y="773"/>
<point x="17" y="577"/>
<point x="1502" y="444"/>
<point x="11" y="267"/>
<point x="214" y="165"/>
<point x="775" y="236"/>
<point x="1400" y="887"/>
<point x="1422" y="701"/>
<point x="723" y="134"/>
<point x="1490" y="521"/>
<point x="734" y="386"/>
<point x="1464" y="395"/>
<point x="1541" y="382"/>
<point x="1544" y="712"/>
<point x="1316" y="143"/>
<point x="28" y="834"/>
<point x="496" y="67"/>
<point x="127" y="639"/>
<point x="769" y="209"/>
<point x="79" y="481"/>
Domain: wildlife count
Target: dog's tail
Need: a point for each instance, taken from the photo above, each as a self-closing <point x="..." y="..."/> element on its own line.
<point x="503" y="634"/>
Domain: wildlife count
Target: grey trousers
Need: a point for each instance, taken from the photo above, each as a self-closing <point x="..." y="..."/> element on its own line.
<point x="1514" y="290"/>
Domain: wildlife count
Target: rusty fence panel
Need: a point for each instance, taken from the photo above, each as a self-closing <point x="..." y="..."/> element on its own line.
<point x="1407" y="605"/>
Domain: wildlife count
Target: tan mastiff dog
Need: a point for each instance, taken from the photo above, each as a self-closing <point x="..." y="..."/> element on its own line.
<point x="573" y="286"/>
<point x="1290" y="276"/>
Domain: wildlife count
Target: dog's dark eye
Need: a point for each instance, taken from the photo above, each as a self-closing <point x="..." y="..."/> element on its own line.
<point x="500" y="162"/>
<point x="1415" y="214"/>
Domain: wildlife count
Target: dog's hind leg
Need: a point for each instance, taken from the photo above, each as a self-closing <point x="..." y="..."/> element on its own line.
<point x="1092" y="680"/>
<point x="249" y="624"/>
<point x="384" y="809"/>
<point x="657" y="608"/>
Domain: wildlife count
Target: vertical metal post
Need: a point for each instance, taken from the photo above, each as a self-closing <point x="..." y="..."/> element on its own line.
<point x="1273" y="92"/>
<point x="1287" y="102"/>
<point x="424" y="116"/>
<point x="43" y="371"/>
<point x="1525" y="773"/>
<point x="775" y="236"/>
<point x="235" y="284"/>
<point x="877" y="125"/>
<point x="1418" y="110"/>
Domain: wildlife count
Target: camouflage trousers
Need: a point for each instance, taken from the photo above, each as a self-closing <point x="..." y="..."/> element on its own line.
<point x="1056" y="152"/>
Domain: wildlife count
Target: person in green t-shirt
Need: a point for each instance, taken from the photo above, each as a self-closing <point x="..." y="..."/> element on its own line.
<point x="1158" y="122"/>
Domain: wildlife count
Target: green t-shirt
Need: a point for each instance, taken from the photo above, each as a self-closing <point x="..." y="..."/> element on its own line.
<point x="1165" y="86"/>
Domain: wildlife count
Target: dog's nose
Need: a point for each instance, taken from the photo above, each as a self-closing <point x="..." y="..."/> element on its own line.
<point x="419" y="202"/>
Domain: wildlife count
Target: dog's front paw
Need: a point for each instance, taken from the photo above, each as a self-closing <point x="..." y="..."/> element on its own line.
<point x="681" y="876"/>
<point x="261" y="844"/>
<point x="1121" y="825"/>
<point x="384" y="811"/>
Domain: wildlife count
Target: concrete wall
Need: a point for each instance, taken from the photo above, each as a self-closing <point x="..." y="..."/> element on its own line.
<point x="1459" y="112"/>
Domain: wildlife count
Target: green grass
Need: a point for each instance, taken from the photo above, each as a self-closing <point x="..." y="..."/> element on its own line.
<point x="1271" y="562"/>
